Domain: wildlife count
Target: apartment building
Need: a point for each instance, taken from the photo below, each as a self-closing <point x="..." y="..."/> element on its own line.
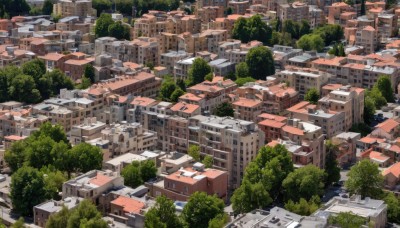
<point x="128" y="138"/>
<point x="186" y="181"/>
<point x="208" y="95"/>
<point x="336" y="10"/>
<point x="155" y="22"/>
<point x="392" y="176"/>
<point x="226" y="23"/>
<point x="247" y="109"/>
<point x="88" y="130"/>
<point x="169" y="59"/>
<point x="305" y="141"/>
<point x="118" y="163"/>
<point x="92" y="185"/>
<point x="271" y="125"/>
<point x="276" y="98"/>
<point x="239" y="6"/>
<point x="367" y="208"/>
<point x="386" y="25"/>
<point x="207" y="40"/>
<point x="209" y="13"/>
<point x="303" y="80"/>
<point x="142" y="84"/>
<point x="80" y="8"/>
<point x="43" y="211"/>
<point x="367" y="37"/>
<point x="220" y="3"/>
<point x="347" y="144"/>
<point x="346" y="99"/>
<point x="142" y="50"/>
<point x="235" y="51"/>
<point x="233" y="143"/>
<point x="358" y="71"/>
<point x="331" y="122"/>
<point x="295" y="11"/>
<point x="316" y="16"/>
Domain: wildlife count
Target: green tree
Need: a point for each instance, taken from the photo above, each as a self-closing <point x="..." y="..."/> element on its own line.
<point x="176" y="94"/>
<point x="53" y="180"/>
<point x="148" y="170"/>
<point x="224" y="109"/>
<point x="304" y="182"/>
<point x="85" y="83"/>
<point x="361" y="128"/>
<point x="312" y="96"/>
<point x="362" y="10"/>
<point x="260" y="62"/>
<point x="59" y="219"/>
<point x="393" y="207"/>
<point x="242" y="81"/>
<point x="304" y="28"/>
<point x="250" y="196"/>
<point x="369" y="109"/>
<point x="341" y="51"/>
<point x="376" y="95"/>
<point x="347" y="220"/>
<point x="11" y="8"/>
<point x="242" y="70"/>
<point x="39" y="152"/>
<point x="262" y="179"/>
<point x="384" y="85"/>
<point x="132" y="175"/>
<point x="162" y="215"/>
<point x="86" y="157"/>
<point x="194" y="152"/>
<point x="47" y="7"/>
<point x="208" y="161"/>
<point x="55" y="132"/>
<point x="167" y="88"/>
<point x="23" y="89"/>
<point x="218" y="222"/>
<point x="201" y="209"/>
<point x="102" y="24"/>
<point x="58" y="81"/>
<point x="365" y="179"/>
<point x="15" y="157"/>
<point x="198" y="71"/>
<point x="27" y="190"/>
<point x="119" y="31"/>
<point x="181" y="84"/>
<point x="20" y="223"/>
<point x="331" y="165"/>
<point x="250" y="29"/>
<point x="86" y="215"/>
<point x="209" y="77"/>
<point x="291" y="27"/>
<point x="329" y="33"/>
<point x="34" y="68"/>
<point x="311" y="42"/>
<point x="303" y="207"/>
<point x="101" y="6"/>
<point x="89" y="72"/>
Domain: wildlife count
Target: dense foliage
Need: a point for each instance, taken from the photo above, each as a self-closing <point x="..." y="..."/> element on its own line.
<point x="85" y="215"/>
<point x="250" y="29"/>
<point x="106" y="26"/>
<point x="31" y="83"/>
<point x="260" y="62"/>
<point x="137" y="173"/>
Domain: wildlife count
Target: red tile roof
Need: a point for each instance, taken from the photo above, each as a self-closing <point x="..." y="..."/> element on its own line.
<point x="100" y="180"/>
<point x="129" y="205"/>
<point x="292" y="130"/>
<point x="394" y="169"/>
<point x="388" y="125"/>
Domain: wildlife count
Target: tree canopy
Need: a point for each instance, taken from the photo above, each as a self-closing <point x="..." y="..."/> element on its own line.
<point x="31" y="83"/>
<point x="263" y="179"/>
<point x="312" y="96"/>
<point x="194" y="152"/>
<point x="384" y="85"/>
<point x="27" y="190"/>
<point x="365" y="179"/>
<point x="224" y="109"/>
<point x="137" y="173"/>
<point x="47" y="8"/>
<point x="242" y="81"/>
<point x="304" y="182"/>
<point x="260" y="62"/>
<point x="198" y="71"/>
<point x="201" y="209"/>
<point x="331" y="165"/>
<point x="303" y="207"/>
<point x="242" y="70"/>
<point x="311" y="42"/>
<point x="106" y="26"/>
<point x="162" y="215"/>
<point x="251" y="29"/>
<point x="347" y="220"/>
<point x="85" y="215"/>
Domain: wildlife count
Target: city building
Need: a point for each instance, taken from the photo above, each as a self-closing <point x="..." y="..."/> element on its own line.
<point x="181" y="184"/>
<point x="43" y="211"/>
